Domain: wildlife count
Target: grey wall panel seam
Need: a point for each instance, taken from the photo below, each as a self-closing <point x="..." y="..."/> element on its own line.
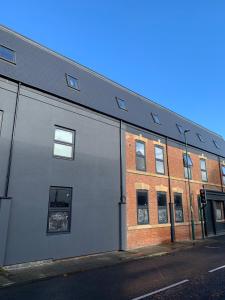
<point x="82" y="115"/>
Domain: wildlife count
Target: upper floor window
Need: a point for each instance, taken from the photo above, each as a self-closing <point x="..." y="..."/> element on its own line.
<point x="121" y="103"/>
<point x="7" y="54"/>
<point x="155" y="118"/>
<point x="142" y="207"/>
<point x="162" y="208"/>
<point x="140" y="156"/>
<point x="178" y="206"/>
<point x="180" y="129"/>
<point x="72" y="82"/>
<point x="159" y="160"/>
<point x="223" y="173"/>
<point x="63" y="143"/>
<point x="203" y="168"/>
<point x="59" y="209"/>
<point x="187" y="166"/>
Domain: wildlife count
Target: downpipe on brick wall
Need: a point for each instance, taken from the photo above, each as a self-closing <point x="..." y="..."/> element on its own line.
<point x="171" y="204"/>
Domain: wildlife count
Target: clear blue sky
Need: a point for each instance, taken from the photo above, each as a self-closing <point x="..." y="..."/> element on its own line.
<point x="172" y="52"/>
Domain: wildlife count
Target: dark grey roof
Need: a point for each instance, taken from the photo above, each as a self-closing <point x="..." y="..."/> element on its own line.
<point x="44" y="69"/>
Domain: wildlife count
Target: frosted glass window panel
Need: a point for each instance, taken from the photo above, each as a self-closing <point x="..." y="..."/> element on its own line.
<point x="64" y="136"/>
<point x="63" y="150"/>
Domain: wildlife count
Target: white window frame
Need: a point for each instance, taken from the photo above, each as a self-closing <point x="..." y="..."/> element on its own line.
<point x="64" y="143"/>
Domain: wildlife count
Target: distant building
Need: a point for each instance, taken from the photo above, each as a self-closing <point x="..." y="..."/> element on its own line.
<point x="88" y="166"/>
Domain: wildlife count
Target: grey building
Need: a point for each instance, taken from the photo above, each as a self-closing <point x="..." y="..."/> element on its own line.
<point x="62" y="153"/>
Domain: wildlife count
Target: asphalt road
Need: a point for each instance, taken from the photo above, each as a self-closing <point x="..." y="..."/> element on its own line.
<point x="187" y="274"/>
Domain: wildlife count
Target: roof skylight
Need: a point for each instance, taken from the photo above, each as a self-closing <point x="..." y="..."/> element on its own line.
<point x="200" y="137"/>
<point x="155" y="118"/>
<point x="72" y="82"/>
<point x="7" y="54"/>
<point x="216" y="144"/>
<point x="180" y="129"/>
<point x="121" y="103"/>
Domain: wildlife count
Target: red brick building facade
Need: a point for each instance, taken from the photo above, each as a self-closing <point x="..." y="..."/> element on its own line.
<point x="148" y="221"/>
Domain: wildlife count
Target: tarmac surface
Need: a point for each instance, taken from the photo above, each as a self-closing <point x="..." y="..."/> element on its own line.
<point x="183" y="272"/>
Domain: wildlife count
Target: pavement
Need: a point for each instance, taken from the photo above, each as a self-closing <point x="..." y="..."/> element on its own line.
<point x="32" y="272"/>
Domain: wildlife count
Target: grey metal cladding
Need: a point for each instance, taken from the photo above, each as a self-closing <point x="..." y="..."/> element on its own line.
<point x="41" y="68"/>
<point x="94" y="175"/>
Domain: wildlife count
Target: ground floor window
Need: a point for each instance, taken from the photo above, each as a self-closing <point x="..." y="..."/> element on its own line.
<point x="219" y="210"/>
<point x="59" y="209"/>
<point x="142" y="207"/>
<point x="162" y="208"/>
<point x="178" y="206"/>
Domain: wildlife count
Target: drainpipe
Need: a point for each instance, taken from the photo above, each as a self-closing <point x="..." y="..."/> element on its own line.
<point x="221" y="179"/>
<point x="189" y="186"/>
<point x="5" y="200"/>
<point x="171" y="205"/>
<point x="6" y="191"/>
<point x="122" y="203"/>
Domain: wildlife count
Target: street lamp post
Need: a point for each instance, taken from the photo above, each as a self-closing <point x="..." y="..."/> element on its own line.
<point x="189" y="185"/>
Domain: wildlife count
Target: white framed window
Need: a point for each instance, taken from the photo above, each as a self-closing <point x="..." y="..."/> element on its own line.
<point x="159" y="160"/>
<point x="63" y="143"/>
<point x="203" y="168"/>
<point x="188" y="164"/>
